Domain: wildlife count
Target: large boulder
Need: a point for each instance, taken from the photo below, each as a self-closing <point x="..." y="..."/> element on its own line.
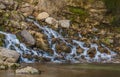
<point x="27" y="37"/>
<point x="9" y="56"/>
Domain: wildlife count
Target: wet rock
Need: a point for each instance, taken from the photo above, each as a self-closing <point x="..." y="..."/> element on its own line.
<point x="27" y="37"/>
<point x="7" y="55"/>
<point x="92" y="52"/>
<point x="41" y="40"/>
<point x="27" y="70"/>
<point x="79" y="50"/>
<point x="52" y="21"/>
<point x="64" y="23"/>
<point x="42" y="16"/>
<point x="54" y="40"/>
<point x="44" y="59"/>
<point x="62" y="47"/>
<point x="87" y="44"/>
<point x="104" y="50"/>
<point x="42" y="43"/>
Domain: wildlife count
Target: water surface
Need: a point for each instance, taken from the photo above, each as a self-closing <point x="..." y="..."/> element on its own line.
<point x="70" y="70"/>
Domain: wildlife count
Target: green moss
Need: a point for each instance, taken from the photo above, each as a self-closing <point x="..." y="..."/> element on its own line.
<point x="76" y="14"/>
<point x="77" y="11"/>
<point x="106" y="41"/>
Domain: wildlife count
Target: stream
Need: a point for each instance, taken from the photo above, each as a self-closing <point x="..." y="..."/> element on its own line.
<point x="11" y="42"/>
<point x="69" y="70"/>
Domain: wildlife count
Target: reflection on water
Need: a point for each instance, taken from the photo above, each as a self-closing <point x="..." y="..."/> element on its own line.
<point x="71" y="70"/>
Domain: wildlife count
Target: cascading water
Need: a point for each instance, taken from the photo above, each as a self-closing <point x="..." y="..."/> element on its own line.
<point x="11" y="42"/>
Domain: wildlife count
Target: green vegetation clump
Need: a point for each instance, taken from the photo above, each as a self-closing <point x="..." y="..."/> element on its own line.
<point x="77" y="11"/>
<point x="106" y="41"/>
<point x="116" y="20"/>
<point x="77" y="14"/>
<point x="113" y="6"/>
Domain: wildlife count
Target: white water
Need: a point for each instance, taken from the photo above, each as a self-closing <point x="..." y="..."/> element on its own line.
<point x="11" y="42"/>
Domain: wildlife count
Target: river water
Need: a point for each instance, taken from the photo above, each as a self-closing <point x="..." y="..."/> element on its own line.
<point x="69" y="70"/>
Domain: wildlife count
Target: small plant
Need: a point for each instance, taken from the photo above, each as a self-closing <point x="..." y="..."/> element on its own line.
<point x="77" y="10"/>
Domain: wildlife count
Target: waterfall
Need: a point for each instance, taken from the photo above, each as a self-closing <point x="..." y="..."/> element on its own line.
<point x="11" y="42"/>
